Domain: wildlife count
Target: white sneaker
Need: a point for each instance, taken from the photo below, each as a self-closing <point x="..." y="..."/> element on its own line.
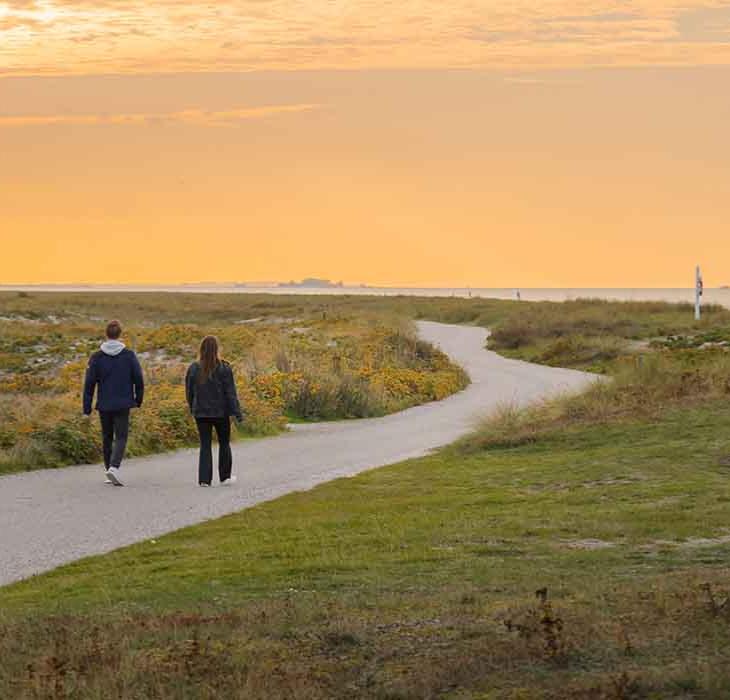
<point x="114" y="477"/>
<point x="204" y="485"/>
<point x="107" y="480"/>
<point x="229" y="482"/>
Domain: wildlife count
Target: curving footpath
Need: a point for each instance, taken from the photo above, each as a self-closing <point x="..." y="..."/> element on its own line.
<point x="52" y="517"/>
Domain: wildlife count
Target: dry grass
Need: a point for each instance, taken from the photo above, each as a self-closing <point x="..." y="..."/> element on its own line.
<point x="642" y="388"/>
<point x="665" y="640"/>
<point x="591" y="333"/>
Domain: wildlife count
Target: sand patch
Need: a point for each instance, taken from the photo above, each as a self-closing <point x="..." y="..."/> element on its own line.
<point x="589" y="544"/>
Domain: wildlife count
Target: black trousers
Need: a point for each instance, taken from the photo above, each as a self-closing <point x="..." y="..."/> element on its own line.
<point x="225" y="458"/>
<point x="114" y="432"/>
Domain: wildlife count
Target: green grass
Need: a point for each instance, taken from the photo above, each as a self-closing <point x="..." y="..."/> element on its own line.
<point x="418" y="580"/>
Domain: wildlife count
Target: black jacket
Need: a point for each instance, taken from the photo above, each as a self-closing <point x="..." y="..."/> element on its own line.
<point x="214" y="398"/>
<point x="119" y="379"/>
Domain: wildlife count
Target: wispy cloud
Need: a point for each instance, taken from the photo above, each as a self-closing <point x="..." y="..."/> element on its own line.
<point x="128" y="36"/>
<point x="534" y="80"/>
<point x="197" y="117"/>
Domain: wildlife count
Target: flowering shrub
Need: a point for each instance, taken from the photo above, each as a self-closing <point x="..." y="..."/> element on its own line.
<point x="316" y="369"/>
<point x="262" y="417"/>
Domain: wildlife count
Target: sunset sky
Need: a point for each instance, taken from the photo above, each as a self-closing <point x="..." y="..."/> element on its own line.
<point x="418" y="142"/>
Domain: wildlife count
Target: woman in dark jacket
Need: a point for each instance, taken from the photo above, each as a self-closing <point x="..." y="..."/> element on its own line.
<point x="212" y="398"/>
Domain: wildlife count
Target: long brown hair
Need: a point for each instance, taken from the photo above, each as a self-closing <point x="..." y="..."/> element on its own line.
<point x="209" y="358"/>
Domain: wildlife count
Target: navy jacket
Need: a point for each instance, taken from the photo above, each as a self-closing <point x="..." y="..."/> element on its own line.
<point x="119" y="378"/>
<point x="214" y="398"/>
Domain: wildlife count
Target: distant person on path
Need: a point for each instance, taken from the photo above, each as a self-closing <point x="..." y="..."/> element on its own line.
<point x="211" y="393"/>
<point x="116" y="371"/>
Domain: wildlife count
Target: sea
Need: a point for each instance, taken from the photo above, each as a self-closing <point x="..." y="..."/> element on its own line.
<point x="711" y="295"/>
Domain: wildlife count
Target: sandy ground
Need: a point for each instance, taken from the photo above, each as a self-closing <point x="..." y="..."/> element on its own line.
<point x="51" y="517"/>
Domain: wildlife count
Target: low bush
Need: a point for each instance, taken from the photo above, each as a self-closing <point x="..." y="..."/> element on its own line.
<point x="71" y="441"/>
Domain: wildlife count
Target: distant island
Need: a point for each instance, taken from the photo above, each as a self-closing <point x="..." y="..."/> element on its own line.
<point x="312" y="283"/>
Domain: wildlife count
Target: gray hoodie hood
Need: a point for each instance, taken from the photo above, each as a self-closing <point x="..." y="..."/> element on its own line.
<point x="112" y="347"/>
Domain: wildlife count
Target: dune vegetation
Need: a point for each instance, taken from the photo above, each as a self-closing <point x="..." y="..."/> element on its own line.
<point x="574" y="550"/>
<point x="307" y="357"/>
<point x="310" y="364"/>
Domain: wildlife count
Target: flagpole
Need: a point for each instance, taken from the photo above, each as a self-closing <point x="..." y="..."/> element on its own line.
<point x="698" y="293"/>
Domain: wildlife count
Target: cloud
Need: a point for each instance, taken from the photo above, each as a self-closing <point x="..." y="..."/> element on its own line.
<point x="196" y="117"/>
<point x="128" y="36"/>
<point x="533" y="80"/>
<point x="12" y="22"/>
<point x="705" y="25"/>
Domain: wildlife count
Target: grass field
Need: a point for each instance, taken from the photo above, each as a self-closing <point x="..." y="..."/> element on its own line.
<point x="578" y="549"/>
<point x="418" y="581"/>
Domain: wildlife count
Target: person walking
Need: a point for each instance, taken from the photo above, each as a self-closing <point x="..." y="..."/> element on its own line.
<point x="210" y="390"/>
<point x="115" y="374"/>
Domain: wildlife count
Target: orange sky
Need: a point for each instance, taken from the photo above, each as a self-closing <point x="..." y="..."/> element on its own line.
<point x="413" y="143"/>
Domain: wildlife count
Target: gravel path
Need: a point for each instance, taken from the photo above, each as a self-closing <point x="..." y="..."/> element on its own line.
<point x="51" y="517"/>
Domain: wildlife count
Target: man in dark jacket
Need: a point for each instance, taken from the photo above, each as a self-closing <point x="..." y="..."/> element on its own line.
<point x="117" y="373"/>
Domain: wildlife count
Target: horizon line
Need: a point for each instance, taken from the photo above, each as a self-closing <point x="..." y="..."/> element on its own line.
<point x="334" y="286"/>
